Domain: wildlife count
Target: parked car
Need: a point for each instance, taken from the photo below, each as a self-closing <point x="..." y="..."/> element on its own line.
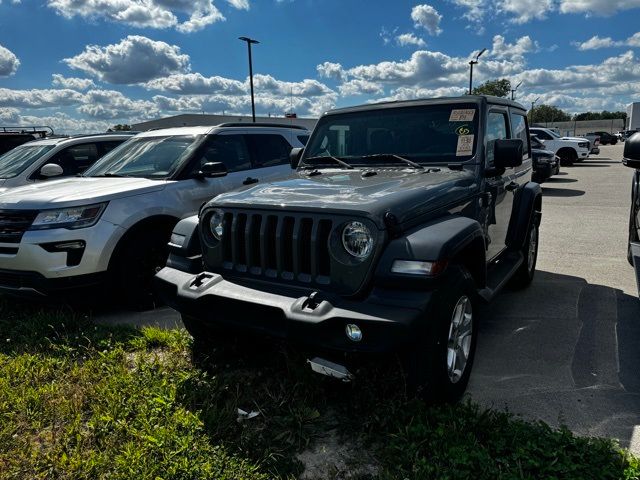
<point x="606" y="138"/>
<point x="632" y="160"/>
<point x="11" y="137"/>
<point x="594" y="140"/>
<point x="627" y="133"/>
<point x="569" y="149"/>
<point x="112" y="224"/>
<point x="545" y="162"/>
<point x="397" y="220"/>
<point x="54" y="158"/>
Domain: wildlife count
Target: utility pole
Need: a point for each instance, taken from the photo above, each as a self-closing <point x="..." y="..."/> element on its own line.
<point x="471" y="64"/>
<point x="532" y="107"/>
<point x="513" y="92"/>
<point x="253" y="105"/>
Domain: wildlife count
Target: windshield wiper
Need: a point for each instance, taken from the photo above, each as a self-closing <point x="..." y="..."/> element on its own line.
<point x="111" y="175"/>
<point x="394" y="156"/>
<point x="331" y="157"/>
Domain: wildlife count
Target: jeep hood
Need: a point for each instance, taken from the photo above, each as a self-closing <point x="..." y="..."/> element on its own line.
<point x="75" y="191"/>
<point x="406" y="193"/>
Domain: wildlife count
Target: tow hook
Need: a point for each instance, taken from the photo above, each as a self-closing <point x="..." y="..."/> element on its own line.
<point x="330" y="369"/>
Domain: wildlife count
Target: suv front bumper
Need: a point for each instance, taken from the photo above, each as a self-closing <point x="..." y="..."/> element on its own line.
<point x="388" y="319"/>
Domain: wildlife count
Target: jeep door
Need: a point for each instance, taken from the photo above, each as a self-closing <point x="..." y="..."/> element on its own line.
<point x="501" y="187"/>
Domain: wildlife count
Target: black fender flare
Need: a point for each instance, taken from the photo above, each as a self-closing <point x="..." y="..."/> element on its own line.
<point x="185" y="249"/>
<point x="527" y="201"/>
<point x="442" y="239"/>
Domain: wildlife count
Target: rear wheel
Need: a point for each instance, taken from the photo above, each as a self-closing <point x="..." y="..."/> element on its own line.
<point x="525" y="273"/>
<point x="633" y="234"/>
<point x="439" y="364"/>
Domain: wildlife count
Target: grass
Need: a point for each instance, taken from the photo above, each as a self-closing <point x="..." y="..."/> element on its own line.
<point x="81" y="401"/>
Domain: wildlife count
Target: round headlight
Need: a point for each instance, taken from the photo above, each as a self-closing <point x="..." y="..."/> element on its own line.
<point x="357" y="240"/>
<point x="216" y="223"/>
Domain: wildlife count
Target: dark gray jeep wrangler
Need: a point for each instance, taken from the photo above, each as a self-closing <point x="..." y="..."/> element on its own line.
<point x="400" y="217"/>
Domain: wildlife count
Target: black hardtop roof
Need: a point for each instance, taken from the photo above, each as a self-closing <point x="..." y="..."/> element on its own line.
<point x="261" y="124"/>
<point x="479" y="99"/>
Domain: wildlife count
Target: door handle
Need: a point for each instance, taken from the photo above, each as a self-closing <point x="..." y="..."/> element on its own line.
<point x="250" y="181"/>
<point x="512" y="186"/>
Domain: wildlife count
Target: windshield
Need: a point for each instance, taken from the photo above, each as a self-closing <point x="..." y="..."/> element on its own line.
<point x="554" y="134"/>
<point x="441" y="133"/>
<point x="146" y="157"/>
<point x="15" y="161"/>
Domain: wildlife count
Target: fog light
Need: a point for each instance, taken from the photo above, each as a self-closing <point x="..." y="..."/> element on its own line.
<point x="353" y="332"/>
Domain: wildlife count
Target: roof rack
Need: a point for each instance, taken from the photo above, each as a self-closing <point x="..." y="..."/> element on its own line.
<point x="122" y="132"/>
<point x="43" y="131"/>
<point x="261" y="124"/>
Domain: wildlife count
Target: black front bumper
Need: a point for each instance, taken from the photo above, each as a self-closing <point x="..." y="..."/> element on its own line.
<point x="34" y="285"/>
<point x="388" y="318"/>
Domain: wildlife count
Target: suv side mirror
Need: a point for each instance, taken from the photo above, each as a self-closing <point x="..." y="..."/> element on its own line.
<point x="212" y="170"/>
<point x="294" y="157"/>
<point x="507" y="153"/>
<point x="51" y="170"/>
<point x="632" y="151"/>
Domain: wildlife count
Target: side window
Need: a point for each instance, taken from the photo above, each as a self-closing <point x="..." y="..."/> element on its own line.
<point x="231" y="150"/>
<point x="268" y="150"/>
<point x="542" y="135"/>
<point x="519" y="130"/>
<point x="76" y="159"/>
<point x="303" y="139"/>
<point x="496" y="130"/>
<point x="106" y="147"/>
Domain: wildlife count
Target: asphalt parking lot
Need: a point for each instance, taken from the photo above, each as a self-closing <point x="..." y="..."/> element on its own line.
<point x="565" y="350"/>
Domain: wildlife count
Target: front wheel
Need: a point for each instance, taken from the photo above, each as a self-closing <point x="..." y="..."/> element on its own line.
<point x="438" y="366"/>
<point x="567" y="157"/>
<point x="524" y="275"/>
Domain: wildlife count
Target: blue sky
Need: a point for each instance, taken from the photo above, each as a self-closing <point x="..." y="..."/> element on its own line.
<point x="88" y="64"/>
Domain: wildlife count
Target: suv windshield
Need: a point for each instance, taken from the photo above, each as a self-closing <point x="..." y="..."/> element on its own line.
<point x="554" y="134"/>
<point x="441" y="133"/>
<point x="15" y="161"/>
<point x="146" y="157"/>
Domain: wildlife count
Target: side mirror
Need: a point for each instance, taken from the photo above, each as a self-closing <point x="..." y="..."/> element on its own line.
<point x="632" y="151"/>
<point x="507" y="153"/>
<point x="212" y="170"/>
<point x="294" y="157"/>
<point x="51" y="170"/>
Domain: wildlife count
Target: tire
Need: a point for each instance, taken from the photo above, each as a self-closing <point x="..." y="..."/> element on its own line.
<point x="567" y="157"/>
<point x="633" y="234"/>
<point x="525" y="273"/>
<point x="449" y="335"/>
<point x="142" y="255"/>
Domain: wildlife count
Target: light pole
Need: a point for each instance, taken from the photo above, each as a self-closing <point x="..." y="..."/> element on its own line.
<point x="471" y="64"/>
<point x="513" y="92"/>
<point x="532" y="107"/>
<point x="253" y="105"/>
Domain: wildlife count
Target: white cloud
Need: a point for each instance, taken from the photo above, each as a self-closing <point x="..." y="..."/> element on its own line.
<point x="597" y="42"/>
<point x="526" y="10"/>
<point x="195" y="84"/>
<point x="330" y="70"/>
<point x="474" y="9"/>
<point x="427" y="17"/>
<point x="597" y="7"/>
<point x="410" y="39"/>
<point x="71" y="82"/>
<point x="197" y="14"/>
<point x="37" y="98"/>
<point x="135" y="59"/>
<point x="502" y="50"/>
<point x="110" y="104"/>
<point x="10" y="116"/>
<point x="9" y="63"/>
<point x="360" y="87"/>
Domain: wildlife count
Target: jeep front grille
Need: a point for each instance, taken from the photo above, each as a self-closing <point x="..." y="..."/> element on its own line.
<point x="13" y="224"/>
<point x="282" y="246"/>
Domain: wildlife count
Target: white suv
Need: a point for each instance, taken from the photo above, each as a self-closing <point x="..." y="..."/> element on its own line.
<point x="113" y="222"/>
<point x="54" y="157"/>
<point x="569" y="149"/>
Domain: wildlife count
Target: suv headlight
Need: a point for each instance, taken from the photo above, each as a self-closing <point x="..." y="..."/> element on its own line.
<point x="71" y="218"/>
<point x="216" y="224"/>
<point x="357" y="240"/>
<point x="583" y="145"/>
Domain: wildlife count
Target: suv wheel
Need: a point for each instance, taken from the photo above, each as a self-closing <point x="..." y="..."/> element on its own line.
<point x="142" y="255"/>
<point x="633" y="235"/>
<point x="524" y="275"/>
<point x="439" y="364"/>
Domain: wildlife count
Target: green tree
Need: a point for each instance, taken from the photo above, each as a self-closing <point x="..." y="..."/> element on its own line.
<point x="548" y="113"/>
<point x="120" y="128"/>
<point x="497" y="88"/>
<point x="604" y="115"/>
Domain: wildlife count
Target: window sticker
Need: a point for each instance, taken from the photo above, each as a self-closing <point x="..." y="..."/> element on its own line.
<point x="463" y="130"/>
<point x="462" y="115"/>
<point x="465" y="145"/>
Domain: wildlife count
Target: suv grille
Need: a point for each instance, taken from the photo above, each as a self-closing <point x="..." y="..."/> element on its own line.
<point x="284" y="246"/>
<point x="13" y="224"/>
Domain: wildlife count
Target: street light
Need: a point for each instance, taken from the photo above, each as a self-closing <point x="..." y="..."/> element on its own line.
<point x="513" y="92"/>
<point x="253" y="105"/>
<point x="532" y="106"/>
<point x="471" y="64"/>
